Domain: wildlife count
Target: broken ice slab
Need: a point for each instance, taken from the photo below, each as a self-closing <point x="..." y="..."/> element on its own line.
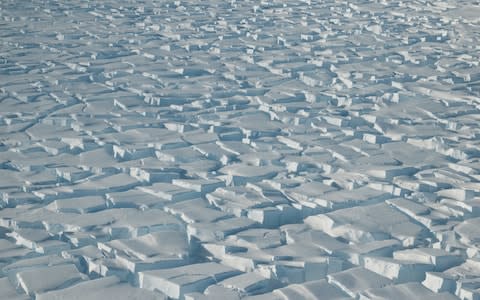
<point x="369" y="223"/>
<point x="233" y="135"/>
<point x="178" y="127"/>
<point x="199" y="185"/>
<point x="319" y="289"/>
<point x="199" y="137"/>
<point x="469" y="269"/>
<point x="457" y="194"/>
<point x="411" y="290"/>
<point x="158" y="250"/>
<point x="462" y="279"/>
<point x="180" y="156"/>
<point x="375" y="138"/>
<point x="258" y="124"/>
<point x="272" y="217"/>
<point x="292" y="142"/>
<point x="214" y="152"/>
<point x="240" y="174"/>
<point x="10" y="252"/>
<point x="79" y="205"/>
<point x="80" y="239"/>
<point x="402" y="151"/>
<point x="94" y="186"/>
<point x="118" y="222"/>
<point x="131" y="152"/>
<point x="43" y="279"/>
<point x="38" y="240"/>
<point x="158" y="138"/>
<point x="95" y="262"/>
<point x="219" y="230"/>
<point x="269" y="192"/>
<point x="43" y="131"/>
<point x="464" y="209"/>
<point x="51" y="246"/>
<point x="8" y="291"/>
<point x="419" y="212"/>
<point x="29" y="237"/>
<point x="440" y="282"/>
<point x="289" y="268"/>
<point x="356" y="253"/>
<point x="309" y="191"/>
<point x="195" y="211"/>
<point x="349" y="198"/>
<point x="240" y="149"/>
<point x="35" y="262"/>
<point x="135" y="198"/>
<point x="301" y="233"/>
<point x="250" y="283"/>
<point x="238" y="200"/>
<point x="399" y="271"/>
<point x="72" y="174"/>
<point x="101" y="184"/>
<point x="239" y="258"/>
<point x="358" y="279"/>
<point x="153" y="174"/>
<point x="215" y="292"/>
<point x="98" y="161"/>
<point x="469" y="290"/>
<point x="309" y="162"/>
<point x="409" y="207"/>
<point x="103" y="288"/>
<point x="13" y="198"/>
<point x="176" y="282"/>
<point x="129" y="222"/>
<point x="413" y="184"/>
<point x="170" y="192"/>
<point x="289" y="263"/>
<point x="280" y="183"/>
<point x="257" y="238"/>
<point x="439" y="258"/>
<point x="389" y="172"/>
<point x="469" y="231"/>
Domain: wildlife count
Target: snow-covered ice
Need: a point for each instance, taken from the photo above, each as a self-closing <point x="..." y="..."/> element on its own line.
<point x="239" y="149"/>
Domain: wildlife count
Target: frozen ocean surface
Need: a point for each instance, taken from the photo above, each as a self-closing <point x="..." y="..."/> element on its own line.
<point x="240" y="149"/>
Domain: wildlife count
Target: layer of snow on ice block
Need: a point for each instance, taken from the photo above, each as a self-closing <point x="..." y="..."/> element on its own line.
<point x="355" y="280"/>
<point x="158" y="250"/>
<point x="177" y="282"/>
<point x="368" y="223"/>
<point x="103" y="288"/>
<point x="404" y="291"/>
<point x="44" y="279"/>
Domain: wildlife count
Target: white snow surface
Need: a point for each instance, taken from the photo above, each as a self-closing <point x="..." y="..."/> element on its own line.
<point x="239" y="149"/>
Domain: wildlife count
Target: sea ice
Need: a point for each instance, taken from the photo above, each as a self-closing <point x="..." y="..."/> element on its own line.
<point x="239" y="150"/>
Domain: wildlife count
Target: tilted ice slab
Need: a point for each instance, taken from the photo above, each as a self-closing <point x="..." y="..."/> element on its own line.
<point x="178" y="281"/>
